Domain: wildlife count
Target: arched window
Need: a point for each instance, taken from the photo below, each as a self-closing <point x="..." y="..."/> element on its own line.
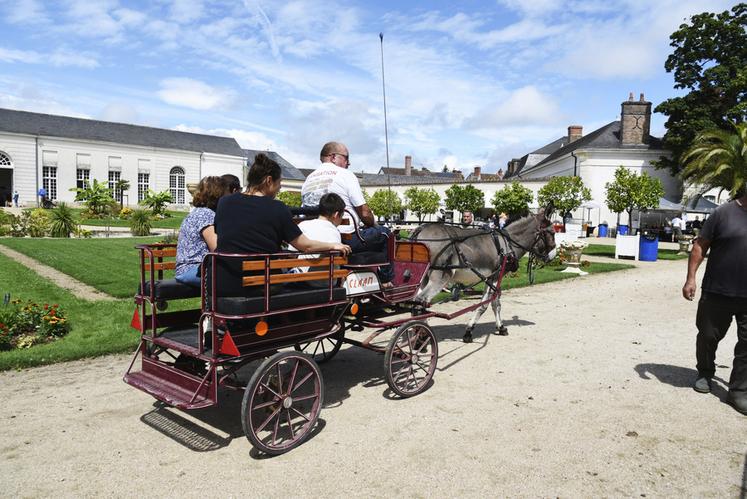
<point x="176" y="184"/>
<point x="4" y="159"/>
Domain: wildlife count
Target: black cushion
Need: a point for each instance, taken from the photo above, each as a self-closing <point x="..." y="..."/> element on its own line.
<point x="240" y="305"/>
<point x="171" y="289"/>
<point x="367" y="258"/>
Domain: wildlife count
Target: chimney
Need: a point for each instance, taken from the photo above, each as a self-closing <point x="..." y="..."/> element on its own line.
<point x="575" y="132"/>
<point x="408" y="165"/>
<point x="477" y="172"/>
<point x="635" y="120"/>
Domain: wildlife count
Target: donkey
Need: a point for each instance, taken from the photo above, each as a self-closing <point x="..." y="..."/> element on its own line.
<point x="466" y="256"/>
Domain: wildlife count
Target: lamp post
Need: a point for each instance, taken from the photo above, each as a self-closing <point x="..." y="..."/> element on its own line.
<point x="386" y="130"/>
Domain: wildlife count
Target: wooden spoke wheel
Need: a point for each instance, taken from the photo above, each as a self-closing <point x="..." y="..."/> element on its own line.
<point x="323" y="350"/>
<point x="410" y="359"/>
<point x="282" y="402"/>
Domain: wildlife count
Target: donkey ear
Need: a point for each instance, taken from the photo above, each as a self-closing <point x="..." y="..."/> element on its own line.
<point x="549" y="209"/>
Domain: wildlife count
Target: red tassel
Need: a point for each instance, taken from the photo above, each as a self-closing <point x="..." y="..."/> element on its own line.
<point x="227" y="346"/>
<point x="136" y="320"/>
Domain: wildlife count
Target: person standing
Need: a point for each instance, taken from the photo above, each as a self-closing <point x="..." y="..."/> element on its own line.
<point x="723" y="295"/>
<point x="15" y="198"/>
<point x="333" y="176"/>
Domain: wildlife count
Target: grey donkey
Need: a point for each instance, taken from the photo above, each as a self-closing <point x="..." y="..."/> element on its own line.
<point x="481" y="252"/>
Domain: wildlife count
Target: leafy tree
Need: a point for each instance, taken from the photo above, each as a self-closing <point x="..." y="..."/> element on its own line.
<point x="422" y="201"/>
<point x="63" y="221"/>
<point x="290" y="198"/>
<point x="157" y="202"/>
<point x="718" y="159"/>
<point x="97" y="197"/>
<point x="467" y="198"/>
<point x="710" y="61"/>
<point x="565" y="193"/>
<point x="630" y="192"/>
<point x="513" y="200"/>
<point x="121" y="187"/>
<point x="384" y="202"/>
<point x="141" y="222"/>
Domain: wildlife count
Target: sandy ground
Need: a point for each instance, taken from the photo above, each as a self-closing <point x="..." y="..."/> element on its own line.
<point x="589" y="395"/>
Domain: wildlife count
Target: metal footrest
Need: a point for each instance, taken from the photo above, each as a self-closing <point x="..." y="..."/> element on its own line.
<point x="173" y="386"/>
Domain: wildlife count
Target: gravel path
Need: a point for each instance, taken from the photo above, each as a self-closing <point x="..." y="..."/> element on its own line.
<point x="588" y="396"/>
<point x="79" y="289"/>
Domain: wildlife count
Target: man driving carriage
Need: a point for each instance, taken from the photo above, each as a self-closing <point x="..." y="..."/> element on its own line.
<point x="333" y="176"/>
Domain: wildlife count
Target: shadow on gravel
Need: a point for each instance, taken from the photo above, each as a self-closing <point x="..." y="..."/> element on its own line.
<point x="743" y="492"/>
<point x="679" y="377"/>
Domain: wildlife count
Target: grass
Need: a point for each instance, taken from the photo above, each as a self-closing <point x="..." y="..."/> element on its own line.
<point x="109" y="265"/>
<point x="174" y="221"/>
<point x="608" y="250"/>
<point x="97" y="328"/>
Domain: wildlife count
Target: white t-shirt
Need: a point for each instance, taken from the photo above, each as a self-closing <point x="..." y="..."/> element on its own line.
<point x="341" y="181"/>
<point x="317" y="230"/>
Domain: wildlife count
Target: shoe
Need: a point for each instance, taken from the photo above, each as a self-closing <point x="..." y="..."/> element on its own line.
<point x="739" y="403"/>
<point x="702" y="385"/>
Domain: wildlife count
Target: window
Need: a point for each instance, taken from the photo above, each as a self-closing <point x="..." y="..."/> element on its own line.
<point x="176" y="184"/>
<point x="83" y="178"/>
<point x="49" y="181"/>
<point x="83" y="174"/>
<point x="114" y="177"/>
<point x="4" y="159"/>
<point x="49" y="173"/>
<point x="143" y="184"/>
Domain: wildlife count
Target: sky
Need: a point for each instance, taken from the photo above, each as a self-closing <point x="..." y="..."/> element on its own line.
<point x="468" y="83"/>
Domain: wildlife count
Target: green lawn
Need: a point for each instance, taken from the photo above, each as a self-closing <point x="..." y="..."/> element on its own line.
<point x="97" y="328"/>
<point x="110" y="265"/>
<point x="609" y="251"/>
<point x="172" y="222"/>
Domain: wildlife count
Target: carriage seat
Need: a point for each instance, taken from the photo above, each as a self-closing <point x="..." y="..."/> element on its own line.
<point x="170" y="289"/>
<point x="367" y="258"/>
<point x="285" y="299"/>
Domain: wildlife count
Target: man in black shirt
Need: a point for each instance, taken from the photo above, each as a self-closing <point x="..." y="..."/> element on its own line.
<point x="724" y="295"/>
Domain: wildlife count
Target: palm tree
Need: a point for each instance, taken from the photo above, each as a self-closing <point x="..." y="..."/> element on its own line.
<point x="718" y="158"/>
<point x="120" y="187"/>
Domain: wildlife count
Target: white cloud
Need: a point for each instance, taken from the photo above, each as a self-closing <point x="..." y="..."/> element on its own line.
<point x="58" y="58"/>
<point x="194" y="94"/>
<point x="13" y="55"/>
<point x="120" y="113"/>
<point x="186" y="11"/>
<point x="526" y="106"/>
<point x="26" y="12"/>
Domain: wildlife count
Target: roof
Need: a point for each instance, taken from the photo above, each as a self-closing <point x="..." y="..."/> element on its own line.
<point x="50" y="125"/>
<point x="484" y="177"/>
<point x="420" y="172"/>
<point x="376" y="180"/>
<point x="606" y="137"/>
<point x="289" y="171"/>
<point x="552" y="146"/>
<point x="306" y="171"/>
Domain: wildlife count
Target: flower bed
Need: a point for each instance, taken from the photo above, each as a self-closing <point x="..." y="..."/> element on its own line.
<point x="23" y="325"/>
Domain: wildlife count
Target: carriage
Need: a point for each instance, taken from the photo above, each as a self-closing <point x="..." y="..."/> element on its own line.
<point x="291" y="322"/>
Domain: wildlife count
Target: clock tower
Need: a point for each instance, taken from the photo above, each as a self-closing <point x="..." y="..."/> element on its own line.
<point x="636" y="121"/>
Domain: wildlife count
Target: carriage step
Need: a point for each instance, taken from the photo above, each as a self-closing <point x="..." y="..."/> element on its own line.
<point x="172" y="386"/>
<point x="179" y="346"/>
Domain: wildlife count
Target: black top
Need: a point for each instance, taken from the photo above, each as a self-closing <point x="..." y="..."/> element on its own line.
<point x="726" y="270"/>
<point x="249" y="224"/>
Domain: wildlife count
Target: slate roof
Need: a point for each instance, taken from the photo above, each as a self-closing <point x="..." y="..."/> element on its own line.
<point x="420" y="172"/>
<point x="289" y="171"/>
<point x="484" y="177"/>
<point x="49" y="125"/>
<point x="376" y="179"/>
<point x="606" y="137"/>
<point x="306" y="171"/>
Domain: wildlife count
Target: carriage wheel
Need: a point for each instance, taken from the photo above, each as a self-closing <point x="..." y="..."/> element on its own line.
<point x="282" y="402"/>
<point x="410" y="359"/>
<point x="323" y="350"/>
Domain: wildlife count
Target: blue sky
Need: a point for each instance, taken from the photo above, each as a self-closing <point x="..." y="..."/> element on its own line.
<point x="468" y="83"/>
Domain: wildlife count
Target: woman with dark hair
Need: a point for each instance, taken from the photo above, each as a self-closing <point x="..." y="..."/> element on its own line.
<point x="253" y="221"/>
<point x="197" y="233"/>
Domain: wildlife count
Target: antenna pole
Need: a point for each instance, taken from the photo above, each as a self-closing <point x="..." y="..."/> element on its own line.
<point x="386" y="130"/>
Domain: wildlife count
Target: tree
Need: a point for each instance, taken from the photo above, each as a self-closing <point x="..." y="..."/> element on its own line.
<point x="384" y="202"/>
<point x="467" y="198"/>
<point x="565" y="193"/>
<point x="421" y="201"/>
<point x="718" y="159"/>
<point x="513" y="200"/>
<point x="121" y="187"/>
<point x="710" y="61"/>
<point x="290" y="198"/>
<point x="97" y="197"/>
<point x="630" y="192"/>
<point x="157" y="202"/>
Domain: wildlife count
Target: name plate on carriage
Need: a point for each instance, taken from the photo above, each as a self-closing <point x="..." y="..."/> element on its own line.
<point x="359" y="283"/>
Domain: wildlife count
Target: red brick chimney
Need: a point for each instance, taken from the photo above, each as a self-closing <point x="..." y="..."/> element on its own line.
<point x="408" y="165"/>
<point x="575" y="132"/>
<point x="636" y="121"/>
<point x="477" y="172"/>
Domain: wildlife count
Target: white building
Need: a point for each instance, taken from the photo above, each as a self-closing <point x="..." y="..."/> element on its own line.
<point x="60" y="153"/>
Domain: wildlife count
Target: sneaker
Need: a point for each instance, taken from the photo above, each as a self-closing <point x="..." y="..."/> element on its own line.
<point x="702" y="385"/>
<point x="739" y="403"/>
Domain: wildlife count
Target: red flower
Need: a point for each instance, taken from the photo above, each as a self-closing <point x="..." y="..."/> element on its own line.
<point x="46" y="306"/>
